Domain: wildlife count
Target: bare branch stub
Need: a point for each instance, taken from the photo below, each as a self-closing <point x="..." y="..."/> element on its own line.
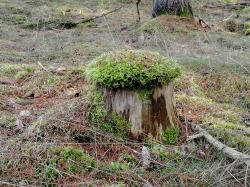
<point x="138" y="11"/>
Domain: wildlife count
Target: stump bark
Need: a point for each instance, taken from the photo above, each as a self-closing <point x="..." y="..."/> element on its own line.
<point x="150" y="118"/>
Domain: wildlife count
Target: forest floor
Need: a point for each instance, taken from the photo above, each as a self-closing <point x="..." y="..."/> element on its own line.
<point x="46" y="137"/>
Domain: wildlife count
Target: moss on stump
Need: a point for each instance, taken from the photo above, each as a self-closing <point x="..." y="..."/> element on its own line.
<point x="132" y="69"/>
<point x="137" y="85"/>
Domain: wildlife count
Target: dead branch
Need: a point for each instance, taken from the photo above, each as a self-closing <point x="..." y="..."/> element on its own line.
<point x="40" y="64"/>
<point x="228" y="151"/>
<point x="189" y="138"/>
<point x="138" y="11"/>
<point x="72" y="24"/>
<point x="98" y="16"/>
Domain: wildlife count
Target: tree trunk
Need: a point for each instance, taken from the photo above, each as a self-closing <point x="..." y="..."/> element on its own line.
<point x="172" y="7"/>
<point x="150" y="118"/>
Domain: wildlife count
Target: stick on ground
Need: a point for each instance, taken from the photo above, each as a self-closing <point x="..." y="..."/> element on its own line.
<point x="228" y="151"/>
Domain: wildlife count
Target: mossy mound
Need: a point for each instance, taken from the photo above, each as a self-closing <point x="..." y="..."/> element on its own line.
<point x="132" y="69"/>
<point x="151" y="27"/>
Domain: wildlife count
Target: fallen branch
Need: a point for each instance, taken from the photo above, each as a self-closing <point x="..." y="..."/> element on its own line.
<point x="189" y="138"/>
<point x="96" y="17"/>
<point x="71" y="23"/>
<point x="228" y="151"/>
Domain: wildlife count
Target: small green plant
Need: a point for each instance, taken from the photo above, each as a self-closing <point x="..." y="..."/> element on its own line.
<point x="51" y="171"/>
<point x="184" y="12"/>
<point x="171" y="136"/>
<point x="128" y="158"/>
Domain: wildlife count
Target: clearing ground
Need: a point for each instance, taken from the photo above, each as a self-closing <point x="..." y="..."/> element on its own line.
<point x="50" y="131"/>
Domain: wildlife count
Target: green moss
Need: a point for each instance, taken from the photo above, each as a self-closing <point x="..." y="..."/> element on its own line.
<point x="171" y="136"/>
<point x="22" y="74"/>
<point x="120" y="126"/>
<point x="69" y="160"/>
<point x="116" y="167"/>
<point x="8" y="69"/>
<point x="98" y="113"/>
<point x="132" y="69"/>
<point x="144" y="95"/>
<point x="83" y="159"/>
<point x="18" y="19"/>
<point x="151" y="27"/>
<point x="247" y="28"/>
<point x="111" y="123"/>
<point x="128" y="158"/>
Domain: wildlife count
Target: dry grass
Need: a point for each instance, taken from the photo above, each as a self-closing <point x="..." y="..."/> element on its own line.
<point x="213" y="90"/>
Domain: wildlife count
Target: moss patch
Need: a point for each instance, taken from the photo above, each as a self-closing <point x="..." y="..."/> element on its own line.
<point x="69" y="159"/>
<point x="151" y="27"/>
<point x="132" y="69"/>
<point x="111" y="123"/>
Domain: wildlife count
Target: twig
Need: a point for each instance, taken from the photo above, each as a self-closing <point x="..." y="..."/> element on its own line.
<point x="7" y="183"/>
<point x="98" y="16"/>
<point x="40" y="64"/>
<point x="138" y="11"/>
<point x="189" y="138"/>
<point x="228" y="151"/>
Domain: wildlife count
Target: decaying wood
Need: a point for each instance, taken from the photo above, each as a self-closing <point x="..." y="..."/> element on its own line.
<point x="228" y="151"/>
<point x="152" y="117"/>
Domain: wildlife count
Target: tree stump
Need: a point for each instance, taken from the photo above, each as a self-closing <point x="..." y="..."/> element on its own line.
<point x="172" y="7"/>
<point x="138" y="86"/>
<point x="152" y="117"/>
